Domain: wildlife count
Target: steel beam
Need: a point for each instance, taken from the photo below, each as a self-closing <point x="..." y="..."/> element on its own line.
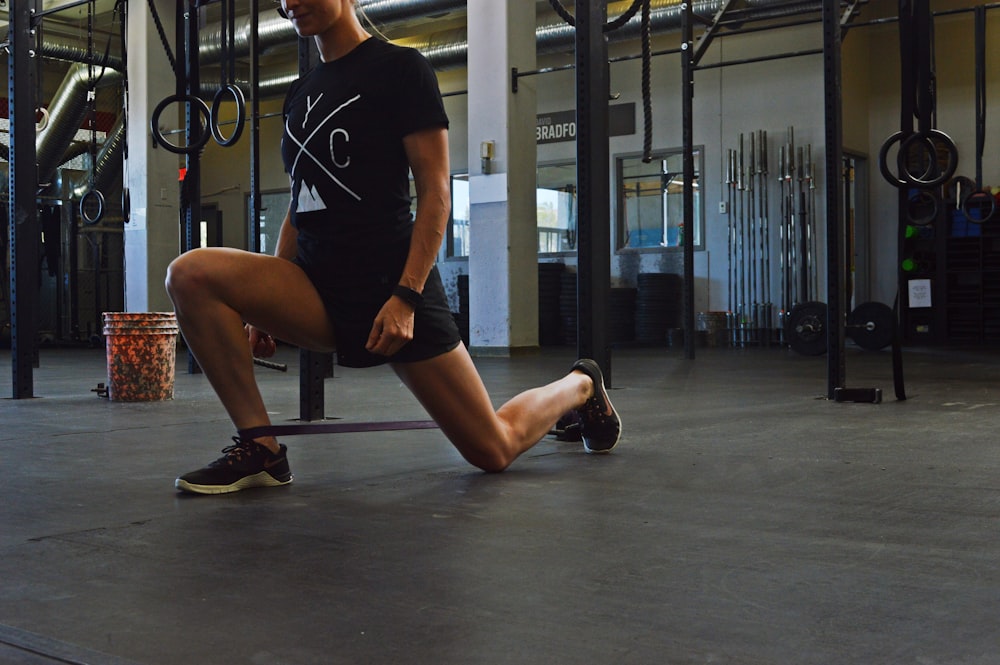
<point x="592" y="179"/>
<point x="706" y="37"/>
<point x="189" y="83"/>
<point x="314" y="367"/>
<point x="253" y="231"/>
<point x="833" y="111"/>
<point x="687" y="121"/>
<point x="23" y="229"/>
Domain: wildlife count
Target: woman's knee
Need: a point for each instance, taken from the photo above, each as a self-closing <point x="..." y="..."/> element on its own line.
<point x="491" y="456"/>
<point x="189" y="273"/>
<point x="490" y="462"/>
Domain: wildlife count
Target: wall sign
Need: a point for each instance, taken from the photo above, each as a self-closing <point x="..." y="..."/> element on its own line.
<point x="561" y="125"/>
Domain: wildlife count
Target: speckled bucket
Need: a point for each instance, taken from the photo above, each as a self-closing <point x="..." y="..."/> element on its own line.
<point x="142" y="355"/>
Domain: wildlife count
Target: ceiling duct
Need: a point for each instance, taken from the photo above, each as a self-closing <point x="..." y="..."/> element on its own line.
<point x="67" y="111"/>
<point x="449" y="49"/>
<point x="108" y="163"/>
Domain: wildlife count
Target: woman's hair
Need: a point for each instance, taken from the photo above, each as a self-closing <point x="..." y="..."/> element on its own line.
<point x="366" y="22"/>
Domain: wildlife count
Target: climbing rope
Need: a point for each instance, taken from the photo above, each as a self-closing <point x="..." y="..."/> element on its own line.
<point x="645" y="27"/>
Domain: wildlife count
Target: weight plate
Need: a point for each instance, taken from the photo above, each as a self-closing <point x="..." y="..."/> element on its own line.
<point x="805" y="328"/>
<point x="871" y="325"/>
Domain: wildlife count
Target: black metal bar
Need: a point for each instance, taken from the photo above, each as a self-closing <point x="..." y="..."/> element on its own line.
<point x="833" y="111"/>
<point x="187" y="34"/>
<point x="314" y="367"/>
<point x="24" y="233"/>
<point x="39" y="15"/>
<point x="193" y="129"/>
<point x="706" y="37"/>
<point x="848" y="15"/>
<point x="592" y="155"/>
<point x="253" y="230"/>
<point x="687" y="121"/>
<point x="763" y="58"/>
<point x="894" y="19"/>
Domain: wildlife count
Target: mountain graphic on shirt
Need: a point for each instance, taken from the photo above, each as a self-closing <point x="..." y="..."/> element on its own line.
<point x="309" y="199"/>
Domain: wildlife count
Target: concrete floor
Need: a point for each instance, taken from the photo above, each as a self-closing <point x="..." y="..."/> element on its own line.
<point x="741" y="520"/>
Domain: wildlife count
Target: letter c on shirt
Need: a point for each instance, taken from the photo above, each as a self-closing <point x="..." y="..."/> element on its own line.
<point x="333" y="148"/>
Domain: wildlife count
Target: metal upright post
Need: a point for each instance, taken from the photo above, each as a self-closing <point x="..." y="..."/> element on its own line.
<point x="314" y="367"/>
<point x="253" y="229"/>
<point x="24" y="234"/>
<point x="687" y="120"/>
<point x="594" y="211"/>
<point x="191" y="84"/>
<point x="836" y="366"/>
<point x="187" y="34"/>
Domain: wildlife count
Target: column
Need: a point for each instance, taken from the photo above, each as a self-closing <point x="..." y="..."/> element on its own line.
<point x="503" y="243"/>
<point x="152" y="234"/>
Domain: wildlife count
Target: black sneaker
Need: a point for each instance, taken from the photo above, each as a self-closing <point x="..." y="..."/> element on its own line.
<point x="244" y="464"/>
<point x="600" y="425"/>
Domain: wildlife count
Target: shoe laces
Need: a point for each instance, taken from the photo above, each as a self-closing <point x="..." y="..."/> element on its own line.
<point x="595" y="410"/>
<point x="235" y="453"/>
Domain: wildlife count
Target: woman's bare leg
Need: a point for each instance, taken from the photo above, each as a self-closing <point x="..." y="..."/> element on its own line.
<point x="216" y="290"/>
<point x="450" y="388"/>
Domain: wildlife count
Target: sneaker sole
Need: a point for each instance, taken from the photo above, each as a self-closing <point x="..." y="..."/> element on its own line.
<point x="262" y="479"/>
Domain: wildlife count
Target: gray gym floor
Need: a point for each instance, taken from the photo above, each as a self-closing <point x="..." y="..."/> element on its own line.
<point x="743" y="519"/>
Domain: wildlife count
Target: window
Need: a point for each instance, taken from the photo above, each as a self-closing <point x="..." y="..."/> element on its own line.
<point x="458" y="229"/>
<point x="273" y="208"/>
<point x="651" y="201"/>
<point x="555" y="211"/>
<point x="555" y="208"/>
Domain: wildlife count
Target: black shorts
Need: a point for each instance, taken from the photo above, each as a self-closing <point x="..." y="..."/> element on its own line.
<point x="353" y="301"/>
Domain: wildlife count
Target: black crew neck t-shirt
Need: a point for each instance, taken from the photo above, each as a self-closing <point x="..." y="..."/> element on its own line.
<point x="343" y="148"/>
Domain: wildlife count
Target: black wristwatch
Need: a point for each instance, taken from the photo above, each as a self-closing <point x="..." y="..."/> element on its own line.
<point x="408" y="295"/>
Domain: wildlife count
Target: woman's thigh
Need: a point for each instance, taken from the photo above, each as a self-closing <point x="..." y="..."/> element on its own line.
<point x="268" y="292"/>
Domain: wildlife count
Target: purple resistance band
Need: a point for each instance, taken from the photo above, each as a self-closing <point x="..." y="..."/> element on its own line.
<point x="335" y="428"/>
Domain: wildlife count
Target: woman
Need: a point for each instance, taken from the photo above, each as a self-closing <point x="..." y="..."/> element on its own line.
<point x="353" y="272"/>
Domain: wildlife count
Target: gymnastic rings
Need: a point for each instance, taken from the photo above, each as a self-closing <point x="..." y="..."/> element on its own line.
<point x="92" y="199"/>
<point x="883" y="161"/>
<point x="922" y="207"/>
<point x="241" y="112"/>
<point x="202" y="138"/>
<point x="979" y="206"/>
<point x="40" y="126"/>
<point x="958" y="188"/>
<point x="930" y="144"/>
<point x="932" y="176"/>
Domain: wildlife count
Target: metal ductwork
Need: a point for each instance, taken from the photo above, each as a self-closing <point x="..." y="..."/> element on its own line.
<point x="61" y="51"/>
<point x="449" y="49"/>
<point x="273" y="31"/>
<point x="67" y="111"/>
<point x="108" y="164"/>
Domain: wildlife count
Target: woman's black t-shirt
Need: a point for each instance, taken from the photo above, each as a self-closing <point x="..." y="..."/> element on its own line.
<point x="343" y="148"/>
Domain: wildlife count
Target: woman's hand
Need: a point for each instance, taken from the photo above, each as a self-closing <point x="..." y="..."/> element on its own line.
<point x="392" y="329"/>
<point x="261" y="344"/>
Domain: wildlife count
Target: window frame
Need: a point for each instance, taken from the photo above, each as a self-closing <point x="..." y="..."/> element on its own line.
<point x="619" y="194"/>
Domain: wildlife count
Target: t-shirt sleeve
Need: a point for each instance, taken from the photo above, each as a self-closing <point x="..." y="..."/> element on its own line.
<point x="420" y="105"/>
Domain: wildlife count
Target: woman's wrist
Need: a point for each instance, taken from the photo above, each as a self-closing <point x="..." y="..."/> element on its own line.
<point x="410" y="296"/>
